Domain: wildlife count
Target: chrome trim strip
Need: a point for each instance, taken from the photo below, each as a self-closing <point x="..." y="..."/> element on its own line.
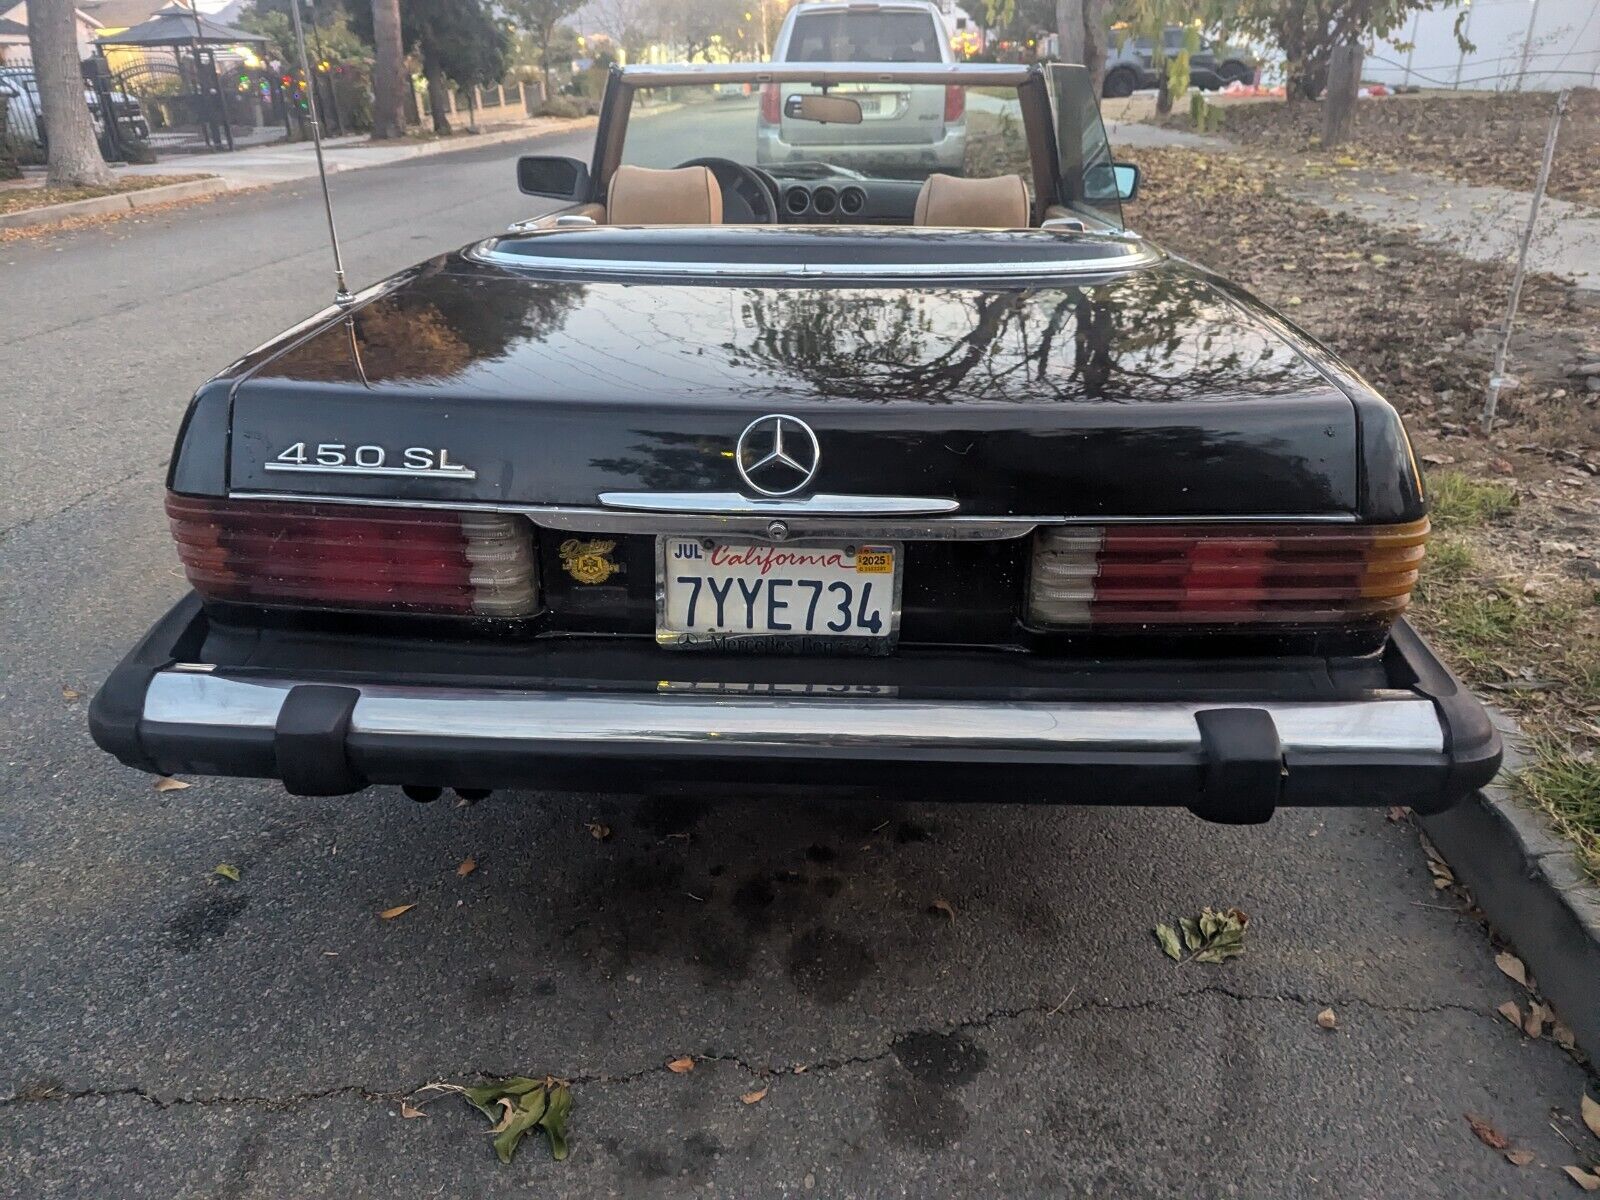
<point x="883" y="528"/>
<point x="484" y="251"/>
<point x="971" y="74"/>
<point x="732" y="504"/>
<point x="400" y="472"/>
<point x="1404" y="724"/>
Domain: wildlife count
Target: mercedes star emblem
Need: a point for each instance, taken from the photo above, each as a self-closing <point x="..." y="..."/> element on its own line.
<point x="777" y="455"/>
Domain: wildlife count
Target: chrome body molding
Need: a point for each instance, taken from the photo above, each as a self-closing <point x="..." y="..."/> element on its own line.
<point x="1140" y="256"/>
<point x="732" y="504"/>
<point x="355" y="469"/>
<point x="821" y="516"/>
<point x="1393" y="722"/>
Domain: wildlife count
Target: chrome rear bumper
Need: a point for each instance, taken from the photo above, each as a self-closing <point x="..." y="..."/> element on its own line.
<point x="196" y="697"/>
<point x="1230" y="745"/>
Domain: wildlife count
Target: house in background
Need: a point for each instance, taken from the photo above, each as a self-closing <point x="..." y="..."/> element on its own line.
<point x="14" y="33"/>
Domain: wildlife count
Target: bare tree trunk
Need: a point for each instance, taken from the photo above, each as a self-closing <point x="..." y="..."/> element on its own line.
<point x="74" y="151"/>
<point x="1164" y="91"/>
<point x="434" y="74"/>
<point x="1344" y="80"/>
<point x="388" y="71"/>
<point x="1094" y="41"/>
<point x="1070" y="30"/>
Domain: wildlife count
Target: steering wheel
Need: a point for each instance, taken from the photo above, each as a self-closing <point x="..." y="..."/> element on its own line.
<point x="749" y="197"/>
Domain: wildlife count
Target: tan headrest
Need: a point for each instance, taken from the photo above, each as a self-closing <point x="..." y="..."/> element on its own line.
<point x="997" y="203"/>
<point x="685" y="196"/>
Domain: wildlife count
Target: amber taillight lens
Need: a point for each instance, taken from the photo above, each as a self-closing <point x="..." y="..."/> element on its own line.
<point x="290" y="554"/>
<point x="1140" y="575"/>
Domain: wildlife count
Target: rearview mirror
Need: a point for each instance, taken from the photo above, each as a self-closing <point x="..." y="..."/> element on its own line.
<point x="825" y="110"/>
<point x="553" y="176"/>
<point x="1127" y="177"/>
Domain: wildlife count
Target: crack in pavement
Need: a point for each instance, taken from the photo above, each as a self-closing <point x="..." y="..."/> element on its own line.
<point x="987" y="1020"/>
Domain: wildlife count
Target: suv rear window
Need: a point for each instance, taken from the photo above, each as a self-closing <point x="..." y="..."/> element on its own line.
<point x="899" y="37"/>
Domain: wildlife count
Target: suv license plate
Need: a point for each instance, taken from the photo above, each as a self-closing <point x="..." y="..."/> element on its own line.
<point x="803" y="597"/>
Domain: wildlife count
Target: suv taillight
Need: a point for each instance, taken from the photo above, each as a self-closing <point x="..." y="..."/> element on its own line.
<point x="771" y="112"/>
<point x="955" y="102"/>
<point x="290" y="554"/>
<point x="1129" y="576"/>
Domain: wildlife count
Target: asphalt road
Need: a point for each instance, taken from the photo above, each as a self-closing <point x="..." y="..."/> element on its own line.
<point x="166" y="1033"/>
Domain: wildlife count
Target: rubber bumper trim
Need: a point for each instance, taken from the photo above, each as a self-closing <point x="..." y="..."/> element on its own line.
<point x="308" y="742"/>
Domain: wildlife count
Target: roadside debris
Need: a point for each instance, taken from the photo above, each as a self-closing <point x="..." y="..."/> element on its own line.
<point x="681" y="1065"/>
<point x="515" y="1107"/>
<point x="1487" y="1133"/>
<point x="1209" y="938"/>
<point x="168" y="784"/>
<point x="1327" y="1019"/>
<point x="227" y="871"/>
<point x="399" y="910"/>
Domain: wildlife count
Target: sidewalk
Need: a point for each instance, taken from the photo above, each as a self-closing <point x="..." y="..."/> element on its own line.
<point x="286" y="161"/>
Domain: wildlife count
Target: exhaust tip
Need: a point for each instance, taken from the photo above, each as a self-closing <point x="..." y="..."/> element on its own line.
<point x="421" y="794"/>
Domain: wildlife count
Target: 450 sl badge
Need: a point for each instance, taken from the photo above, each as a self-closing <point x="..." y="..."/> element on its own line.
<point x="588" y="562"/>
<point x="337" y="458"/>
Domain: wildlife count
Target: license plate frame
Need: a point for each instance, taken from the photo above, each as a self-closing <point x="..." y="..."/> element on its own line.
<point x="777" y="641"/>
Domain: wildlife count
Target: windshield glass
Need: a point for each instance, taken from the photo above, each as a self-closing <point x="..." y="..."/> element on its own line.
<point x="904" y="131"/>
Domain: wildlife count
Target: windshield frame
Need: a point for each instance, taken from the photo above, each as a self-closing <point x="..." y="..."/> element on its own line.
<point x="1035" y="95"/>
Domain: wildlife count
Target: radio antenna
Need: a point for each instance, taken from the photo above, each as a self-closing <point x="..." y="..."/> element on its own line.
<point x="341" y="295"/>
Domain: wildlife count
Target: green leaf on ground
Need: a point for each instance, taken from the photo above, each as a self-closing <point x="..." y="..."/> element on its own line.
<point x="1168" y="937"/>
<point x="1211" y="937"/>
<point x="227" y="871"/>
<point x="518" y="1105"/>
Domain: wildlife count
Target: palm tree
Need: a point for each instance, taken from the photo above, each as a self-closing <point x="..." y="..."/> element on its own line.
<point x="388" y="71"/>
<point x="74" y="150"/>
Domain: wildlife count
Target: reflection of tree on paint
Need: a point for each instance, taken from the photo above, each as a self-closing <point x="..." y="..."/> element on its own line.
<point x="1157" y="336"/>
<point x="433" y="329"/>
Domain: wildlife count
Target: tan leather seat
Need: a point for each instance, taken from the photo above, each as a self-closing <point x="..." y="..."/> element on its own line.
<point x="642" y="196"/>
<point x="1000" y="202"/>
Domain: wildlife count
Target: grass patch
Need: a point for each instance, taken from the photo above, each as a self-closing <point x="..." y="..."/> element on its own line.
<point x="1567" y="787"/>
<point x="1456" y="499"/>
<point x="13" y="200"/>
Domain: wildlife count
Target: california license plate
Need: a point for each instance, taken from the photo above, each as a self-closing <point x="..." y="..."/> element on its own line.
<point x="806" y="597"/>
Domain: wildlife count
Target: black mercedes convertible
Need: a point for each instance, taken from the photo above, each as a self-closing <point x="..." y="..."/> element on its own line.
<point x="783" y="453"/>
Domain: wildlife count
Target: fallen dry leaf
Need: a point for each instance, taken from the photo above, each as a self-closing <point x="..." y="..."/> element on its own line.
<point x="227" y="871"/>
<point x="943" y="906"/>
<point x="681" y="1065"/>
<point x="71" y="694"/>
<point x="1397" y="813"/>
<point x="1519" y="1158"/>
<point x="1511" y="1012"/>
<point x="399" y="910"/>
<point x="1327" y="1018"/>
<point x="1533" y="1025"/>
<point x="1591" y="1115"/>
<point x="168" y="784"/>
<point x="1487" y="1133"/>
<point x="506" y="1117"/>
<point x="468" y="866"/>
<point x="1587" y="1180"/>
<point x="1512" y="966"/>
<point x="1563" y="1035"/>
<point x="408" y="1111"/>
<point x="598" y="830"/>
<point x="755" y="1097"/>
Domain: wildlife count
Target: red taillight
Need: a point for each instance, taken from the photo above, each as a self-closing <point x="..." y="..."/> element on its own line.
<point x="1135" y="575"/>
<point x="955" y="102"/>
<point x="771" y="104"/>
<point x="337" y="556"/>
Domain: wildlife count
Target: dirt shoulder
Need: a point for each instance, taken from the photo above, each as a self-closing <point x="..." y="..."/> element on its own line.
<point x="1481" y="138"/>
<point x="1511" y="593"/>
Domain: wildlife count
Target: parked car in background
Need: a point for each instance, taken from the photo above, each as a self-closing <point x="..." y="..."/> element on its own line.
<point x="917" y="126"/>
<point x="1130" y="63"/>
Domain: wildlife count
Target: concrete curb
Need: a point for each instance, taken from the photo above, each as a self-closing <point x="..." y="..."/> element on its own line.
<point x="1529" y="883"/>
<point x="96" y="206"/>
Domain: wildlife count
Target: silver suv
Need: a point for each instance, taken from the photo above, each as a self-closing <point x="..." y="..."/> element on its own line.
<point x="917" y="128"/>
